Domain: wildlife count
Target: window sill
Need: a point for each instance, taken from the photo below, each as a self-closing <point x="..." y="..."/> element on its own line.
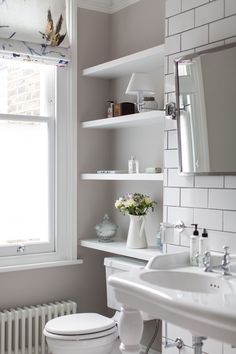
<point x="20" y="267"/>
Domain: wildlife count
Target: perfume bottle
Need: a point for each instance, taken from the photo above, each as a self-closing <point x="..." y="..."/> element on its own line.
<point x="110" y="109"/>
<point x="159" y="241"/>
<point x="133" y="165"/>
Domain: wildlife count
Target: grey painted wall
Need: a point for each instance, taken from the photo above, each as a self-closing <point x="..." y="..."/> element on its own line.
<point x="137" y="27"/>
<point x="111" y="150"/>
<point x="93" y="146"/>
<point x="78" y="283"/>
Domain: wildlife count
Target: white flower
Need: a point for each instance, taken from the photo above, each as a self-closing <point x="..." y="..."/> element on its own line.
<point x="130" y="203"/>
<point x="118" y="203"/>
<point x="148" y="200"/>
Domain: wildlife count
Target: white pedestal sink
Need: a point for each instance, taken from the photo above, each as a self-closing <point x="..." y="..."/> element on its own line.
<point x="170" y="289"/>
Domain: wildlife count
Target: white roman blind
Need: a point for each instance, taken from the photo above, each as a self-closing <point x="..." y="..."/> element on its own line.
<point x="34" y="30"/>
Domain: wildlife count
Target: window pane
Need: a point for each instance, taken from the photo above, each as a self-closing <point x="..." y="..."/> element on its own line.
<point x="24" y="181"/>
<point x="23" y="88"/>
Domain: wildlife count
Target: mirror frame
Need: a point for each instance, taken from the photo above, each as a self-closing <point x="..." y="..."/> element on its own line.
<point x="178" y="109"/>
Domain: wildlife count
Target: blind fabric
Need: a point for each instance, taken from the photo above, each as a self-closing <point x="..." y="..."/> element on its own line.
<point x="34" y="30"/>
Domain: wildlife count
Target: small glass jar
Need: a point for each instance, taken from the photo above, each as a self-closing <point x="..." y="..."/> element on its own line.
<point x="133" y="165"/>
<point x="106" y="230"/>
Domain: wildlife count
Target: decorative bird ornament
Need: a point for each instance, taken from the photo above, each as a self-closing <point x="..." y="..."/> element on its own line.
<point x="53" y="36"/>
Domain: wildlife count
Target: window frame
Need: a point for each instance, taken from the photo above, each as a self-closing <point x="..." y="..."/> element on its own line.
<point x="9" y="250"/>
<point x="65" y="167"/>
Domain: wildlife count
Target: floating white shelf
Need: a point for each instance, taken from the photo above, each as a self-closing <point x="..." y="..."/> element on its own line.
<point x="122" y="176"/>
<point x="146" y="60"/>
<point x="127" y="121"/>
<point x="119" y="247"/>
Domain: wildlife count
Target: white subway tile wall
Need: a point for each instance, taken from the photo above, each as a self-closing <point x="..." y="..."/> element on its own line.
<point x="222" y="29"/>
<point x="194" y="38"/>
<point x="230" y="7"/>
<point x="230" y="182"/>
<point x="175" y="180"/>
<point x="230" y="40"/>
<point x="229" y="221"/>
<point x="171" y="158"/>
<point x="191" y="4"/>
<point x="172" y="44"/>
<point x="182" y="22"/>
<point x="210" y="218"/>
<point x="172" y="139"/>
<point x="222" y="199"/>
<point x="172" y="331"/>
<point x="210" y="201"/>
<point x="194" y="197"/>
<point x="173" y="7"/>
<point x="165" y="181"/>
<point x="209" y="12"/>
<point x="177" y="213"/>
<point x="218" y="240"/>
<point x="210" y="46"/>
<point x="170" y="82"/>
<point x="209" y="182"/>
<point x="170" y="123"/>
<point x="171" y="196"/>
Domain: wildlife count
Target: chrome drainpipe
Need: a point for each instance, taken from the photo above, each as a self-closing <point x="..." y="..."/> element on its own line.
<point x="198" y="344"/>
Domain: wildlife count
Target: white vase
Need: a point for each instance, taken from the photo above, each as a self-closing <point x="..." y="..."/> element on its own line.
<point x="136" y="235"/>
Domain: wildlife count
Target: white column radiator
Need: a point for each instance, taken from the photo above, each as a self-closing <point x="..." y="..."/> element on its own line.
<point x="21" y="329"/>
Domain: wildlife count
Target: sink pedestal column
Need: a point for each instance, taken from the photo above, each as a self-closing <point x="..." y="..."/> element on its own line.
<point x="130" y="330"/>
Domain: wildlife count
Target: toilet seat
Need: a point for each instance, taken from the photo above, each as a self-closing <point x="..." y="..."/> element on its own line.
<point x="81" y="326"/>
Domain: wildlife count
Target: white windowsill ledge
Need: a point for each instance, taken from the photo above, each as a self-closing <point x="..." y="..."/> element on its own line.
<point x="19" y="267"/>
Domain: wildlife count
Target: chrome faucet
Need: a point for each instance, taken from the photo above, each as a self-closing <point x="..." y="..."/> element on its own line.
<point x="207" y="262"/>
<point x="224" y="266"/>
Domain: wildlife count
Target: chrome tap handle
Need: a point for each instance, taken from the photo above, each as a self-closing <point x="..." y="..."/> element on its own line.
<point x="178" y="343"/>
<point x="225" y="263"/>
<point x="207" y="261"/>
<point x="226" y="249"/>
<point x="226" y="256"/>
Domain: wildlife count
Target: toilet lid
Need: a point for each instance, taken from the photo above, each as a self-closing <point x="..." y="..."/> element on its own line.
<point x="82" y="323"/>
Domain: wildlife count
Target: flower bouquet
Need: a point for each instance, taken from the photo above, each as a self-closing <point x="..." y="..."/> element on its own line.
<point x="137" y="206"/>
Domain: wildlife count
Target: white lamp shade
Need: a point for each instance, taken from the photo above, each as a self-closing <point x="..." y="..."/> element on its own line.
<point x="140" y="82"/>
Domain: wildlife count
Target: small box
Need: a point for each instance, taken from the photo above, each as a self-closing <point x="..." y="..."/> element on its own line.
<point x="123" y="108"/>
<point x="153" y="170"/>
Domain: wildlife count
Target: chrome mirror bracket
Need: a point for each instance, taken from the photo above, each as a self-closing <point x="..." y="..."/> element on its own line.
<point x="171" y="110"/>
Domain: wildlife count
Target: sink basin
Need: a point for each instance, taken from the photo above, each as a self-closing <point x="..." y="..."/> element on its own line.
<point x="186" y="281"/>
<point x="170" y="289"/>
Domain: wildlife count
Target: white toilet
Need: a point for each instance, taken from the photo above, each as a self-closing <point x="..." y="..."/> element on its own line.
<point x="89" y="333"/>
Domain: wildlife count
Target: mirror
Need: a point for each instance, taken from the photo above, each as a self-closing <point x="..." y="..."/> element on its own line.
<point x="206" y="112"/>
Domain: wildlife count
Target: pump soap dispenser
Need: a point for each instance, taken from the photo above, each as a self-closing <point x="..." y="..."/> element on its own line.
<point x="203" y="247"/>
<point x="194" y="244"/>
